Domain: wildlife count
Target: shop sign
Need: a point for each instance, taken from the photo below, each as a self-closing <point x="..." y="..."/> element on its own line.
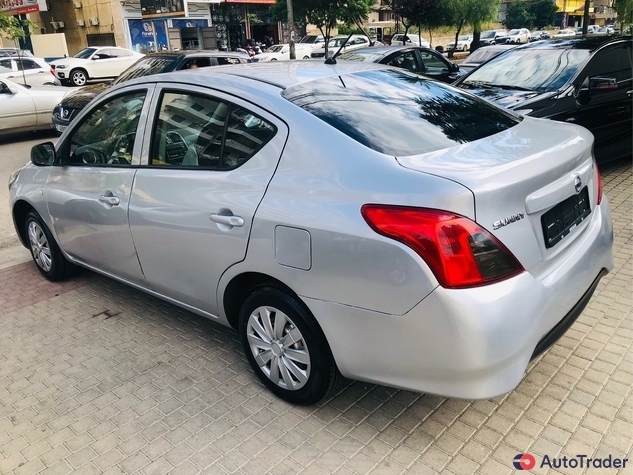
<point x="20" y="7"/>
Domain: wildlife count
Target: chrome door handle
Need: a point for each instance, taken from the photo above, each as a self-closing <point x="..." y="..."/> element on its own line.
<point x="109" y="200"/>
<point x="228" y="220"/>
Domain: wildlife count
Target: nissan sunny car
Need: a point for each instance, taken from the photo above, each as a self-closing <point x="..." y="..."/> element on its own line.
<point x="437" y="251"/>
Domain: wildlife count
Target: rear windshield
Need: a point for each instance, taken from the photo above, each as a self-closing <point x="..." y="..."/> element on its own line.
<point x="398" y="113"/>
<point x="147" y="67"/>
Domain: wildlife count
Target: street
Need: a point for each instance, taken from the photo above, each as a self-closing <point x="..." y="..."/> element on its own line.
<point x="96" y="377"/>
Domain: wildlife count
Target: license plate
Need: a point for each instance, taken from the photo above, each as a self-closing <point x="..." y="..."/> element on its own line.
<point x="559" y="221"/>
<point x="60" y="128"/>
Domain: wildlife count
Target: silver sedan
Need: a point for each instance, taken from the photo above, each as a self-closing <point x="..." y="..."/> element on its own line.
<point x="349" y="219"/>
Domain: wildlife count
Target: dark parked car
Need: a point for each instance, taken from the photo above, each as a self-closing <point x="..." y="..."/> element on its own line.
<point x="584" y="81"/>
<point x="416" y="59"/>
<point x="482" y="55"/>
<point x="155" y="63"/>
<point x="539" y="35"/>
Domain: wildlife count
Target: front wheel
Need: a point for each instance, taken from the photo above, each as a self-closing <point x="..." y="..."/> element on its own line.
<point x="45" y="252"/>
<point x="306" y="57"/>
<point x="286" y="347"/>
<point x="78" y="77"/>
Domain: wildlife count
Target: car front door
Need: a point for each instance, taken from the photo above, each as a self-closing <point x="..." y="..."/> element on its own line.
<point x="28" y="69"/>
<point x="17" y="108"/>
<point x="406" y="59"/>
<point x="89" y="189"/>
<point x="606" y="110"/>
<point x="194" y="198"/>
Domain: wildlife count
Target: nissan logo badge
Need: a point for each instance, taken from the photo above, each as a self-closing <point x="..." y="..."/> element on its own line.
<point x="577" y="184"/>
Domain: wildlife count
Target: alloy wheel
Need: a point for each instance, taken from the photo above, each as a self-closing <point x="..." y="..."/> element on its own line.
<point x="278" y="347"/>
<point x="78" y="78"/>
<point x="39" y="247"/>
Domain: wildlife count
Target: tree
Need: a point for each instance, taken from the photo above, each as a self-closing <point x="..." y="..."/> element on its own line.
<point x="474" y="13"/>
<point x="519" y="15"/>
<point x="415" y="12"/>
<point x="624" y="13"/>
<point x="326" y="14"/>
<point x="544" y="12"/>
<point x="15" y="29"/>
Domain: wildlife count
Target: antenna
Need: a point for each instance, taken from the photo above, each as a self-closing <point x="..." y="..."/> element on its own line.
<point x="332" y="60"/>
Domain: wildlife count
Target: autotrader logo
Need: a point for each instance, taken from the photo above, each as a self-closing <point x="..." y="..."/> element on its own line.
<point x="524" y="462"/>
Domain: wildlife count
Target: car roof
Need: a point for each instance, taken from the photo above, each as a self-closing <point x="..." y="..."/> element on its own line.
<point x="590" y="42"/>
<point x="201" y="53"/>
<point x="281" y="74"/>
<point x="385" y="50"/>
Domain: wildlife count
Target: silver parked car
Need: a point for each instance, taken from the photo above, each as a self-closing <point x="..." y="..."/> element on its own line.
<point x="438" y="250"/>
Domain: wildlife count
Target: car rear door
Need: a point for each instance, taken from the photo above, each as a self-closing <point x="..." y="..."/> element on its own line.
<point x="28" y="69"/>
<point x="208" y="160"/>
<point x="88" y="192"/>
<point x="17" y="108"/>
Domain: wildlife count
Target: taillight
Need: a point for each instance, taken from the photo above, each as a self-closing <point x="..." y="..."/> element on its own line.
<point x="459" y="251"/>
<point x="52" y="71"/>
<point x="596" y="174"/>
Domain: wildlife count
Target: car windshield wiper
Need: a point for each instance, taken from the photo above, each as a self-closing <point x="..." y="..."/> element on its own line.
<point x="489" y="85"/>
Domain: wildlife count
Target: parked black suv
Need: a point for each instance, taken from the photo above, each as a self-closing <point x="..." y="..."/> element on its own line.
<point x="584" y="81"/>
<point x="154" y="63"/>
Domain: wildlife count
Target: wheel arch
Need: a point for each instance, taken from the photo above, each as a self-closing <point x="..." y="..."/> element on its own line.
<point x="238" y="289"/>
<point x="21" y="209"/>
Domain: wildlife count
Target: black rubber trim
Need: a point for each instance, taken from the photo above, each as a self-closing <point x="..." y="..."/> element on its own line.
<point x="569" y="319"/>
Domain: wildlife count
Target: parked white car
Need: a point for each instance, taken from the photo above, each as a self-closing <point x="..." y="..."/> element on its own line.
<point x="565" y="33"/>
<point x="518" y="35"/>
<point x="27" y="109"/>
<point x="354" y="42"/>
<point x="94" y="63"/>
<point x="409" y="40"/>
<point x="282" y="53"/>
<point x="463" y="43"/>
<point x="590" y="29"/>
<point x="31" y="71"/>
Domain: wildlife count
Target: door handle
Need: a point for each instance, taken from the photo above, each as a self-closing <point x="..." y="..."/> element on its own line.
<point x="41" y="72"/>
<point x="109" y="200"/>
<point x="228" y="220"/>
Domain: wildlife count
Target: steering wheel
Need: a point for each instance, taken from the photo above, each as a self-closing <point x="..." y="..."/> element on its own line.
<point x="90" y="155"/>
<point x="122" y="153"/>
<point x="177" y="148"/>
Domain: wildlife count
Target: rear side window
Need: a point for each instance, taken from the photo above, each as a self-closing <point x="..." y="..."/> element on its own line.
<point x="398" y="113"/>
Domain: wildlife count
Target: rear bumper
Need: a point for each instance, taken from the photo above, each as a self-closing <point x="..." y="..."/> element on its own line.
<point x="470" y="343"/>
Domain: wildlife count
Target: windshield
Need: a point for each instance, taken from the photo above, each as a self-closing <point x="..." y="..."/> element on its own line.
<point x="482" y="55"/>
<point x="85" y="53"/>
<point x="147" y="67"/>
<point x="337" y="42"/>
<point x="488" y="34"/>
<point x="532" y="69"/>
<point x="463" y="38"/>
<point x="514" y="32"/>
<point x="423" y="114"/>
<point x="275" y="49"/>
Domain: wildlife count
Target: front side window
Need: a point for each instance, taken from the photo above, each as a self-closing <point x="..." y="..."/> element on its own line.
<point x="107" y="135"/>
<point x="194" y="131"/>
<point x="406" y="61"/>
<point x="611" y="63"/>
<point x="227" y="60"/>
<point x="432" y="64"/>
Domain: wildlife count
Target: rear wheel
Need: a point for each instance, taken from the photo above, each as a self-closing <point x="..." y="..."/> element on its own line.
<point x="46" y="253"/>
<point x="306" y="57"/>
<point x="286" y="347"/>
<point x="78" y="77"/>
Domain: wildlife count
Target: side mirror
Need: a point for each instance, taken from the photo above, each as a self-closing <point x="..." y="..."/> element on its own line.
<point x="598" y="84"/>
<point x="43" y="155"/>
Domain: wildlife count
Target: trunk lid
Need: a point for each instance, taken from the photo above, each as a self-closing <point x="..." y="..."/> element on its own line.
<point x="516" y="177"/>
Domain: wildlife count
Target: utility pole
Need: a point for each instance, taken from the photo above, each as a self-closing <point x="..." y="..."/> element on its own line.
<point x="291" y="30"/>
<point x="585" y="19"/>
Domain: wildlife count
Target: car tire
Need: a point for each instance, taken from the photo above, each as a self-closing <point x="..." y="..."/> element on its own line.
<point x="78" y="77"/>
<point x="273" y="59"/>
<point x="45" y="252"/>
<point x="49" y="84"/>
<point x="306" y="57"/>
<point x="465" y="48"/>
<point x="286" y="347"/>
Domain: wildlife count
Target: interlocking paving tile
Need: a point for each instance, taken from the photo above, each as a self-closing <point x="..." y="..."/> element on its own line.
<point x="98" y="378"/>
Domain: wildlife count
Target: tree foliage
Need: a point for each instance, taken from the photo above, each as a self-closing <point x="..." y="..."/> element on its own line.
<point x="326" y="14"/>
<point x="534" y="14"/>
<point x="474" y="13"/>
<point x="624" y="12"/>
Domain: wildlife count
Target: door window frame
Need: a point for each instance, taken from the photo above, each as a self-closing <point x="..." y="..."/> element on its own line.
<point x="63" y="145"/>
